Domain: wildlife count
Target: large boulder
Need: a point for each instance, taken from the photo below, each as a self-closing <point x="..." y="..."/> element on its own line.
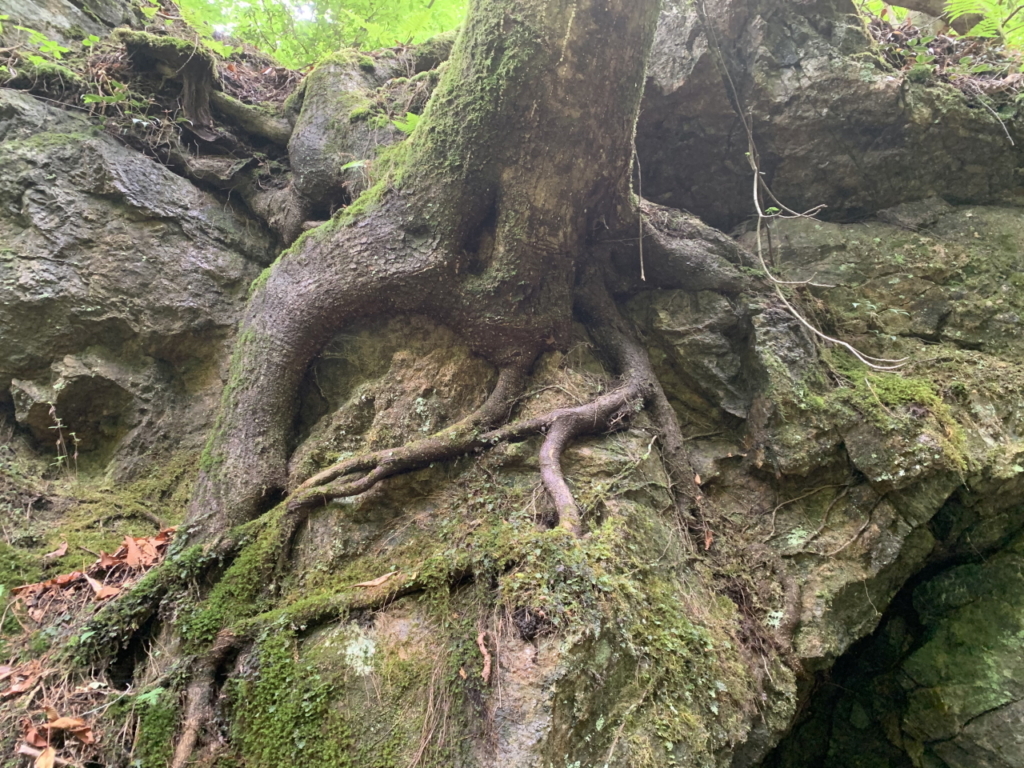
<point x="119" y="282"/>
<point x="832" y="125"/>
<point x="65" y="21"/>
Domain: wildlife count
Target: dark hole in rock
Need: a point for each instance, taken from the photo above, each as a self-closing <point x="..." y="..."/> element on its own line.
<point x="96" y="414"/>
<point x="121" y="672"/>
<point x="940" y="684"/>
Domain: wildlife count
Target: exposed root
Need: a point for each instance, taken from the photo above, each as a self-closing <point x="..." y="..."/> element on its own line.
<point x="639" y="386"/>
<point x="481" y="643"/>
<point x="462" y="437"/>
<point x="199" y="702"/>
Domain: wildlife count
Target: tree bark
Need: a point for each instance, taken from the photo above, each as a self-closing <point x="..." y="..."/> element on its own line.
<point x="525" y="146"/>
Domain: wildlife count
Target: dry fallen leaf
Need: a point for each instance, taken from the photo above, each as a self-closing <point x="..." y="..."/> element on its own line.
<point x="378" y="581"/>
<point x="709" y="538"/>
<point x="84" y="734"/>
<point x="106" y="561"/>
<point x="102" y="591"/>
<point x="20" y="687"/>
<point x="134" y="555"/>
<point x="58" y="552"/>
<point x="696" y="479"/>
<point x="46" y="758"/>
<point x="34" y="737"/>
<point x="150" y="556"/>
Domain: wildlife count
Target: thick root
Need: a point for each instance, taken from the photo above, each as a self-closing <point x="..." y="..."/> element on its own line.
<point x="199" y="698"/>
<point x="639" y="386"/>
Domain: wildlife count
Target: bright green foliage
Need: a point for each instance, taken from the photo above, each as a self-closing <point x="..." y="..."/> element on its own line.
<point x="1003" y="19"/>
<point x="298" y="34"/>
<point x="1000" y="18"/>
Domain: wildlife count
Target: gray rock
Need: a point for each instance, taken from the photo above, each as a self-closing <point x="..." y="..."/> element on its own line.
<point x="846" y="133"/>
<point x="65" y="21"/>
<point x="104" y="249"/>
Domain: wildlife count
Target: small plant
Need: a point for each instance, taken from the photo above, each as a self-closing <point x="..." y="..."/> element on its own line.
<point x="121" y="100"/>
<point x="46" y="46"/>
<point x="66" y="461"/>
<point x="408" y="123"/>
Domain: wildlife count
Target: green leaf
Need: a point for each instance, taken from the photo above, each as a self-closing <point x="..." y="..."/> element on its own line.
<point x="408" y="123"/>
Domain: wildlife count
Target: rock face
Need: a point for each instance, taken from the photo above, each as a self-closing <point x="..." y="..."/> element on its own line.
<point x="847" y="482"/>
<point x="119" y="284"/>
<point x="889" y="140"/>
<point x="65" y="21"/>
<point x="863" y="526"/>
<point x="935" y="686"/>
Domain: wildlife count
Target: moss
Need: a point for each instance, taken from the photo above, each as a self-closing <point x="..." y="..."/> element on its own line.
<point x="293" y="104"/>
<point x="40" y="75"/>
<point x="361" y="112"/>
<point x="119" y="620"/>
<point x="674" y="669"/>
<point x="46" y="140"/>
<point x="17" y="567"/>
<point x="161" y="494"/>
<point x="243" y="589"/>
<point x="261" y="279"/>
<point x="387" y="171"/>
<point x="283" y="714"/>
<point x="897" y="402"/>
<point x="431" y="53"/>
<point x="345" y="57"/>
<point x="158" y="711"/>
<point x="166" y="47"/>
<point x="367" y="64"/>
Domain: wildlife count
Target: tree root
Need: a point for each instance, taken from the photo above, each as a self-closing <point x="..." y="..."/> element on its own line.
<point x="639" y="386"/>
<point x="460" y="438"/>
<point x="199" y="703"/>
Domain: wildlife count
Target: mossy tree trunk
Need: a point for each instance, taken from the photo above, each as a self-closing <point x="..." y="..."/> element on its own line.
<point x="482" y="220"/>
<point x="497" y="217"/>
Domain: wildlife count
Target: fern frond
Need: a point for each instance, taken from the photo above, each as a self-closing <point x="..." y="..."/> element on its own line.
<point x="988" y="8"/>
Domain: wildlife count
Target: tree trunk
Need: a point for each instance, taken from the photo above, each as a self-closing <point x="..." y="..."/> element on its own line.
<point x="481" y="221"/>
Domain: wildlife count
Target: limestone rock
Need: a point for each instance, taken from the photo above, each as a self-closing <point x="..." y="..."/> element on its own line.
<point x="830" y="129"/>
<point x="106" y="251"/>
